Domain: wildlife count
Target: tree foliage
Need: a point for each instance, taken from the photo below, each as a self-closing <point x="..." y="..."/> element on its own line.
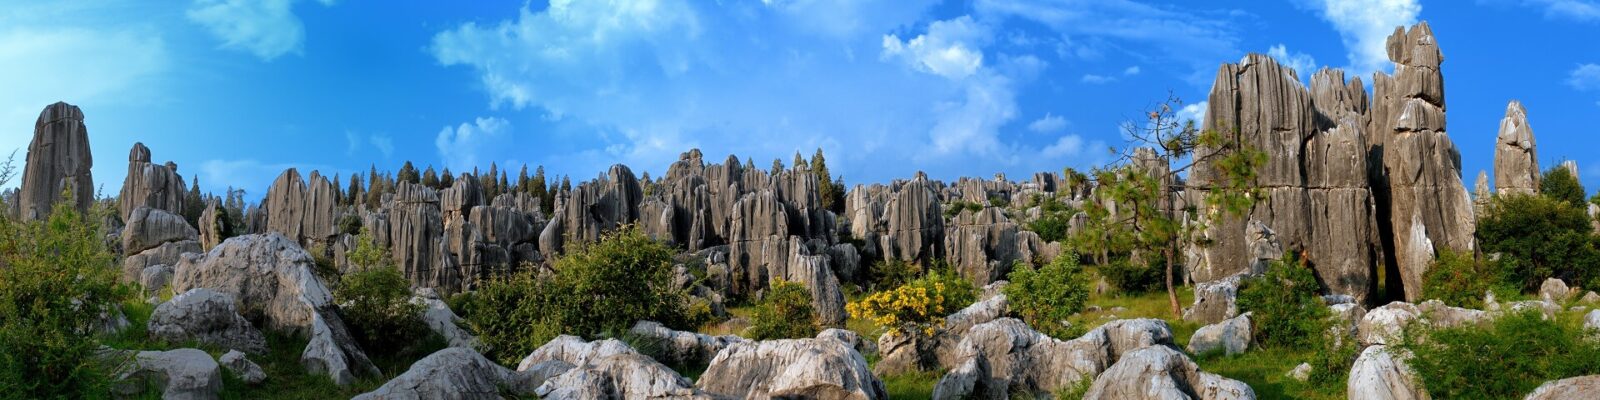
<point x="1539" y="237"/>
<point x="784" y="313"/>
<point x="1558" y="183"/>
<point x="1045" y="297"/>
<point x="1288" y="311"/>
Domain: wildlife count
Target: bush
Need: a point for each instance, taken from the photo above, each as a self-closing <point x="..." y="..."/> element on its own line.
<point x="1051" y="226"/>
<point x="1288" y="310"/>
<point x="599" y="289"/>
<point x="1539" y="237"/>
<point x="1046" y="296"/>
<point x="919" y="306"/>
<point x="1559" y="184"/>
<point x="1506" y="358"/>
<point x="1133" y="278"/>
<point x="785" y="313"/>
<point x="892" y="273"/>
<point x="366" y="254"/>
<point x="1330" y="364"/>
<point x="1458" y="280"/>
<point x="56" y="280"/>
<point x="376" y="302"/>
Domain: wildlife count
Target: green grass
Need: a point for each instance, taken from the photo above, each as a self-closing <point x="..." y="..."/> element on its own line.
<point x="915" y="385"/>
<point x="1265" y="370"/>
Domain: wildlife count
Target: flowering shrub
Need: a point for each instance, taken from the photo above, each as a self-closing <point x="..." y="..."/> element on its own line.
<point x="917" y="306"/>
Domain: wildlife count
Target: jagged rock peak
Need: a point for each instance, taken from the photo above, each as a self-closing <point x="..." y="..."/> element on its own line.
<point x="58" y="157"/>
<point x="1516" y="164"/>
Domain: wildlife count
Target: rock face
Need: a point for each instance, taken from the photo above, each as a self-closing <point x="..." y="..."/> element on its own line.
<point x="453" y="373"/>
<point x="1005" y="356"/>
<point x="1583" y="387"/>
<point x="303" y="210"/>
<point x="213" y="226"/>
<point x="58" y="158"/>
<point x="443" y="321"/>
<point x="912" y="222"/>
<point x="1215" y="301"/>
<point x="604" y="369"/>
<point x="820" y="368"/>
<point x="1159" y="372"/>
<point x="1379" y="375"/>
<point x="242" y="367"/>
<point x="417" y="239"/>
<point x="181" y="374"/>
<point x="985" y="244"/>
<point x="270" y="279"/>
<point x="1428" y="208"/>
<point x="206" y="316"/>
<point x="150" y="185"/>
<point x="1516" y="164"/>
<point x="1231" y="336"/>
<point x="154" y="237"/>
<point x="686" y="348"/>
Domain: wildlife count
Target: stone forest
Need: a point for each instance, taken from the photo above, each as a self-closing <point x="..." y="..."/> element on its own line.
<point x="1297" y="243"/>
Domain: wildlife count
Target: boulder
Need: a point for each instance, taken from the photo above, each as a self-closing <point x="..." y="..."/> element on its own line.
<point x="181" y="374"/>
<point x="1231" y="337"/>
<point x="1554" y="291"/>
<point x="819" y="368"/>
<point x="205" y="316"/>
<point x="242" y="368"/>
<point x="900" y="353"/>
<point x="453" y="373"/>
<point x="58" y="159"/>
<point x="1215" y="301"/>
<point x="149" y="185"/>
<point x="1159" y="372"/>
<point x="1005" y="356"/>
<point x="682" y="347"/>
<point x="573" y="350"/>
<point x="1516" y="163"/>
<point x="443" y="321"/>
<point x="1384" y="325"/>
<point x="1591" y="320"/>
<point x="154" y="279"/>
<point x="1583" y="387"/>
<point x="270" y="279"/>
<point x="1300" y="372"/>
<point x="1380" y="375"/>
<point x="620" y="376"/>
<point x="303" y="210"/>
<point x="813" y="271"/>
<point x="149" y="229"/>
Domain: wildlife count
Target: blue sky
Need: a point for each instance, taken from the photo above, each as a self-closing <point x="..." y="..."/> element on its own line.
<point x="234" y="91"/>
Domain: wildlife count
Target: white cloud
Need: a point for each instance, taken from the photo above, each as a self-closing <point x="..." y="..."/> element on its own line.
<point x="384" y="144"/>
<point x="1097" y="79"/>
<point x="1194" y="112"/>
<point x="1195" y="38"/>
<point x="461" y="147"/>
<point x="1049" y="123"/>
<point x="1365" y="26"/>
<point x="1302" y="63"/>
<point x="1585" y="77"/>
<point x="266" y="28"/>
<point x="253" y="176"/>
<point x="1131" y="71"/>
<point x="949" y="49"/>
<point x="1065" y="146"/>
<point x="1577" y="10"/>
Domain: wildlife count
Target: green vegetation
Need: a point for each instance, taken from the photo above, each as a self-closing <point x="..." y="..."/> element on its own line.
<point x="889" y="274"/>
<point x="917" y="307"/>
<point x="55" y="287"/>
<point x="1506" y="358"/>
<point x="1539" y="237"/>
<point x="784" y="313"/>
<point x="1458" y="280"/>
<point x="956" y="207"/>
<point x="1046" y="297"/>
<point x="1288" y="311"/>
<point x="598" y="289"/>
<point x="376" y="304"/>
<point x="1132" y="277"/>
<point x="1559" y="184"/>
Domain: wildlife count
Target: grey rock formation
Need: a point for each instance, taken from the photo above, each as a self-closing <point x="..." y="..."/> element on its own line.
<point x="241" y="367"/>
<point x="1159" y="372"/>
<point x="155" y="237"/>
<point x="149" y="185"/>
<point x="984" y="245"/>
<point x="1516" y="163"/>
<point x="681" y="347"/>
<point x="1216" y="301"/>
<point x="1005" y="356"/>
<point x="601" y="369"/>
<point x="600" y="205"/>
<point x="1231" y="336"/>
<point x="154" y="279"/>
<point x="813" y="271"/>
<point x="443" y="321"/>
<point x="205" y="316"/>
<point x="758" y="241"/>
<point x="1554" y="291"/>
<point x="1583" y="387"/>
<point x="1428" y="206"/>
<point x="418" y="242"/>
<point x="1378" y="374"/>
<point x="58" y="159"/>
<point x="270" y="279"/>
<point x="900" y="353"/>
<point x="181" y="374"/>
<point x="453" y="373"/>
<point x="573" y="350"/>
<point x="822" y="368"/>
<point x="213" y="226"/>
<point x="912" y="221"/>
<point x="303" y="210"/>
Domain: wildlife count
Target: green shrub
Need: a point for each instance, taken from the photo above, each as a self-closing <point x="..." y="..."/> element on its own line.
<point x="1129" y="277"/>
<point x="1539" y="237"/>
<point x="1288" y="310"/>
<point x="1046" y="296"/>
<point x="376" y="303"/>
<point x="350" y="224"/>
<point x="1330" y="364"/>
<point x="784" y="313"/>
<point x="1506" y="358"/>
<point x="1558" y="183"/>
<point x="892" y="273"/>
<point x="56" y="280"/>
<point x="599" y="289"/>
<point x="1051" y="226"/>
<point x="367" y="254"/>
<point x="1458" y="280"/>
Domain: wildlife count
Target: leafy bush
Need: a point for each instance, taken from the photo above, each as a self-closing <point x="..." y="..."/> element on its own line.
<point x="376" y="302"/>
<point x="956" y="207"/>
<point x="919" y="306"/>
<point x="1558" y="183"/>
<point x="785" y="313"/>
<point x="56" y="280"/>
<point x="350" y="224"/>
<point x="367" y="254"/>
<point x="1506" y="358"/>
<point x="1330" y="364"/>
<point x="1539" y="237"/>
<point x="1456" y="279"/>
<point x="1288" y="310"/>
<point x="1134" y="278"/>
<point x="598" y="289"/>
<point x="1046" y="296"/>
<point x="892" y="273"/>
<point x="1051" y="226"/>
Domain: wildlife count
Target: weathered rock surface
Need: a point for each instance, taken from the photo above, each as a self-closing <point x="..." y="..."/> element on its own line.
<point x="820" y="368"/>
<point x="1516" y="163"/>
<point x="181" y="374"/>
<point x="601" y="369"/>
<point x="443" y="321"/>
<point x="1215" y="301"/>
<point x="681" y="347"/>
<point x="154" y="279"/>
<point x="242" y="367"/>
<point x="149" y="185"/>
<point x="155" y="237"/>
<point x="1583" y="387"/>
<point x="1159" y="372"/>
<point x="270" y="279"/>
<point x="1232" y="336"/>
<point x="1554" y="291"/>
<point x="58" y="158"/>
<point x="417" y="239"/>
<point x="984" y="245"/>
<point x="913" y="222"/>
<point x="206" y="316"/>
<point x="303" y="210"/>
<point x="213" y="226"/>
<point x="901" y="353"/>
<point x="453" y="373"/>
<point x="1005" y="356"/>
<point x="1380" y="375"/>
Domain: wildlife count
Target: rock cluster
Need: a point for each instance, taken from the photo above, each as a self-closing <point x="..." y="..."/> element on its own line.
<point x="150" y="185"/>
<point x="154" y="238"/>
<point x="58" y="160"/>
<point x="205" y="316"/>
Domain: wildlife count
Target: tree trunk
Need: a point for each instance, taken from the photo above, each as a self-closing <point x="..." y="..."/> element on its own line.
<point x="1172" y="293"/>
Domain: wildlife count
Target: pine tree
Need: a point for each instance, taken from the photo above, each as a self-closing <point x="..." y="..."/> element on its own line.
<point x="777" y="166"/>
<point x="446" y="179"/>
<point x="354" y="195"/>
<point x="799" y="163"/>
<point x="832" y="191"/>
<point x="537" y="189"/>
<point x="375" y="191"/>
<point x="408" y="174"/>
<point x="338" y="196"/>
<point x="502" y="187"/>
<point x="430" y="178"/>
<point x="749" y="163"/>
<point x="522" y="180"/>
<point x="566" y="184"/>
<point x="193" y="203"/>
